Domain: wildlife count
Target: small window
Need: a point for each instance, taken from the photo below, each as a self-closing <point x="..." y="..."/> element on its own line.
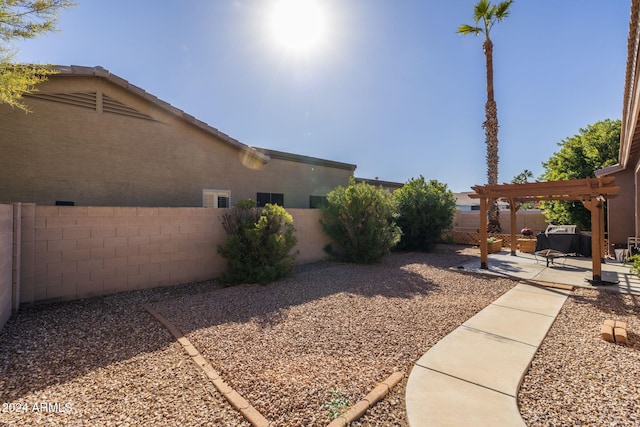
<point x="316" y="202"/>
<point x="216" y="198"/>
<point x="272" y="198"/>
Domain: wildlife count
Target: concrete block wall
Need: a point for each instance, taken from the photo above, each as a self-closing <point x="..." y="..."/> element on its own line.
<point x="6" y="264"/>
<point x="470" y="221"/>
<point x="73" y="252"/>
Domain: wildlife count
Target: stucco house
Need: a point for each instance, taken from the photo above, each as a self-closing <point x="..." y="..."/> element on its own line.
<point x="624" y="210"/>
<point x="94" y="139"/>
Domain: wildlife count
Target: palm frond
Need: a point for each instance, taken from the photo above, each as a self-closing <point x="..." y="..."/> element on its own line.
<point x="468" y="29"/>
<point x="480" y="10"/>
<point x="502" y="9"/>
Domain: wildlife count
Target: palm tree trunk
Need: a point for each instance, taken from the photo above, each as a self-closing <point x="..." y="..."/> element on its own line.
<point x="490" y="126"/>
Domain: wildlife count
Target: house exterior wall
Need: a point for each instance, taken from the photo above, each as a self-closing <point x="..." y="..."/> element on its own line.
<point x="621" y="210"/>
<point x="73" y="252"/>
<point x="6" y="265"/>
<point x="94" y="157"/>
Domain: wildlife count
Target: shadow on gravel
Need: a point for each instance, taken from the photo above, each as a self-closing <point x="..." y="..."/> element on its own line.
<point x="266" y="304"/>
<point x="43" y="345"/>
<point x="51" y="344"/>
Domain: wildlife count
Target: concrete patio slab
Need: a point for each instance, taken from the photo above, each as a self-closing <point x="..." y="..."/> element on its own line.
<point x="576" y="271"/>
<point x="451" y="402"/>
<point x="487" y="360"/>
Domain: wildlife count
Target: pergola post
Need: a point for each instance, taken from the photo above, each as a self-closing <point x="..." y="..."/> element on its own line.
<point x="595" y="206"/>
<point x="483" y="234"/>
<point x="512" y="211"/>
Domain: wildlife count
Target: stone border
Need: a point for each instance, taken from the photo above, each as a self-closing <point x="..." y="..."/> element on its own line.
<point x="358" y="410"/>
<point x="250" y="413"/>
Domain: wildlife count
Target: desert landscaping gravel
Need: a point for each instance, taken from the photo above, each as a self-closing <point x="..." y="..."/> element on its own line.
<point x="577" y="378"/>
<point x="299" y="349"/>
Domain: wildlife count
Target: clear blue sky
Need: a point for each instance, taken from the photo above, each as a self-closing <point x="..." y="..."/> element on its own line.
<point x="393" y="88"/>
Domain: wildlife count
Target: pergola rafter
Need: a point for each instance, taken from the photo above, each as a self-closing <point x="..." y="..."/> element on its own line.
<point x="592" y="192"/>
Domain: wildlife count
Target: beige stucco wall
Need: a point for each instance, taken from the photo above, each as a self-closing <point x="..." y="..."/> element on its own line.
<point x="82" y="251"/>
<point x="94" y="158"/>
<point x="6" y="276"/>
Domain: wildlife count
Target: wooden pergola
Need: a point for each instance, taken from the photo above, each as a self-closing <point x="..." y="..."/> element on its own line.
<point x="592" y="192"/>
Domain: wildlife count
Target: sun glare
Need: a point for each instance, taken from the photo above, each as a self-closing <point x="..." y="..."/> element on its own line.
<point x="298" y="25"/>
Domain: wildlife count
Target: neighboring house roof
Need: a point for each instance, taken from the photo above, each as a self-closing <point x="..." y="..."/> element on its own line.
<point x="281" y="155"/>
<point x="76" y="70"/>
<point x="387" y="185"/>
<point x="630" y="131"/>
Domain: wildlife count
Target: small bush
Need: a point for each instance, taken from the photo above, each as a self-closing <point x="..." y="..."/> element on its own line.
<point x="426" y="210"/>
<point x="634" y="261"/>
<point x="258" y="243"/>
<point x="361" y="220"/>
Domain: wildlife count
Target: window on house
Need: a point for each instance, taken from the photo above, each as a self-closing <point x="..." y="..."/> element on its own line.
<point x="272" y="198"/>
<point x="216" y="198"/>
<point x="316" y="202"/>
<point x="475" y="207"/>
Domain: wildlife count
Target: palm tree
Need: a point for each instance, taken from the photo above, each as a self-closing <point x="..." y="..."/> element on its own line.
<point x="485" y="15"/>
<point x="522" y="177"/>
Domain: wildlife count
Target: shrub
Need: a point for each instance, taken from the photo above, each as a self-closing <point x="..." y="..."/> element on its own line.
<point x="426" y="210"/>
<point x="361" y="220"/>
<point x="258" y="243"/>
<point x="634" y="261"/>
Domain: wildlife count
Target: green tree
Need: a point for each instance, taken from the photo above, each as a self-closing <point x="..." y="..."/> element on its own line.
<point x="20" y="20"/>
<point x="425" y="210"/>
<point x="485" y="15"/>
<point x="361" y="220"/>
<point x="593" y="148"/>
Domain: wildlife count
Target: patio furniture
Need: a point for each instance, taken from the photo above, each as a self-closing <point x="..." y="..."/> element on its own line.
<point x="564" y="238"/>
<point x="550" y="255"/>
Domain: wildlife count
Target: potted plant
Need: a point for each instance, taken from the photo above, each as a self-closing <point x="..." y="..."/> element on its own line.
<point x="494" y="244"/>
<point x="528" y="244"/>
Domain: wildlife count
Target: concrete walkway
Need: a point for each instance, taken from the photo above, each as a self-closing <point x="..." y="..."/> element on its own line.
<point x="472" y="376"/>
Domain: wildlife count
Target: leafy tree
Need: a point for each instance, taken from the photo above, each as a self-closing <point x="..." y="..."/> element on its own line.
<point x="361" y="220"/>
<point x="259" y="243"/>
<point x="425" y="210"/>
<point x="593" y="148"/>
<point x="485" y="15"/>
<point x="19" y="20"/>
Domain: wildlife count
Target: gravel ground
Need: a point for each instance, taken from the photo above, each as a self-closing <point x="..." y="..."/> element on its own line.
<point x="298" y="348"/>
<point x="103" y="361"/>
<point x="577" y="378"/>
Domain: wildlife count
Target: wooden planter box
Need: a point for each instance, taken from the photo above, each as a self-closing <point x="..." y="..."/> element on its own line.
<point x="494" y="246"/>
<point x="527" y="245"/>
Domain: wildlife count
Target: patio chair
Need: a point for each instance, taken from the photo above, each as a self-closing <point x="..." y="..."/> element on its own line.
<point x="550" y="255"/>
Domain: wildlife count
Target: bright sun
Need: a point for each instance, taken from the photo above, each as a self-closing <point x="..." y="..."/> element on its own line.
<point x="298" y="25"/>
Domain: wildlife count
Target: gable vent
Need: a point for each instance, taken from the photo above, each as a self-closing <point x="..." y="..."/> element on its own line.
<point x="78" y="99"/>
<point x="110" y="105"/>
